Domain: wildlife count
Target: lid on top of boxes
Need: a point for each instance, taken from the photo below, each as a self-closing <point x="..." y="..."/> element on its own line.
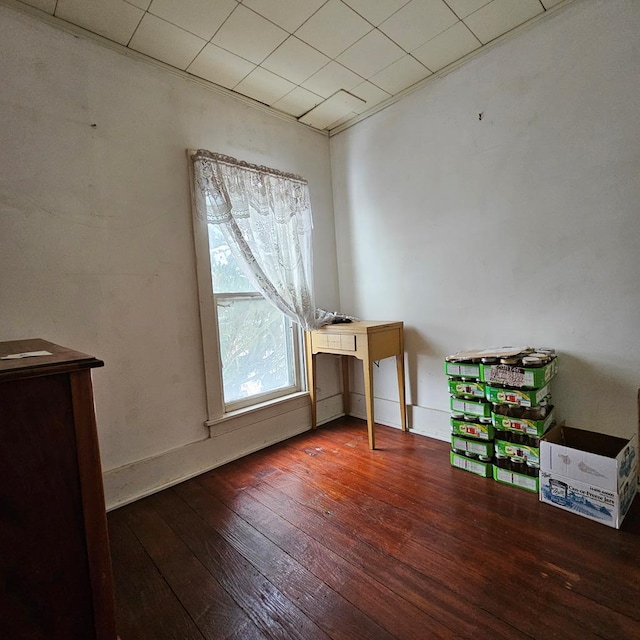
<point x="496" y="352"/>
<point x="508" y="366"/>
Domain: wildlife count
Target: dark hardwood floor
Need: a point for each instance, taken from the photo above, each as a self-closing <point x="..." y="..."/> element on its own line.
<point x="319" y="537"/>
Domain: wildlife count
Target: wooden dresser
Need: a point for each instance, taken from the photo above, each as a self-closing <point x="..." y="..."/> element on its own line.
<point x="55" y="567"/>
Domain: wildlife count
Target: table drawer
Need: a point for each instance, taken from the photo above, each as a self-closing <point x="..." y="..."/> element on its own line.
<point x="339" y="342"/>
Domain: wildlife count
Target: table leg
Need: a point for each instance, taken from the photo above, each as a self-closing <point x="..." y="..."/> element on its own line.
<point x="311" y="378"/>
<point x="346" y="393"/>
<point x="401" y="391"/>
<point x="367" y="367"/>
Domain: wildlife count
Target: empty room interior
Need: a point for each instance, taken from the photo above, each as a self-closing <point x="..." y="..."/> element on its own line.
<point x="361" y="445"/>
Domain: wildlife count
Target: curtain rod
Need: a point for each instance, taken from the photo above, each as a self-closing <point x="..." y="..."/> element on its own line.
<point x="233" y="162"/>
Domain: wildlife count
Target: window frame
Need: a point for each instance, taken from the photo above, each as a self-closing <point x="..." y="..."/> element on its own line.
<point x="217" y="409"/>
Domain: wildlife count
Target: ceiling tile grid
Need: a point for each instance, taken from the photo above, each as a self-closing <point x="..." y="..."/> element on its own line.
<point x="333" y="28"/>
<point x="220" y="66"/>
<point x="166" y="42"/>
<point x="417" y="22"/>
<point x="249" y="35"/>
<point x="115" y="20"/>
<point x="201" y="17"/>
<point x="447" y="47"/>
<point x="324" y="62"/>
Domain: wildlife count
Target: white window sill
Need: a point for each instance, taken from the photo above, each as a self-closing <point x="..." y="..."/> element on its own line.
<point x="256" y="413"/>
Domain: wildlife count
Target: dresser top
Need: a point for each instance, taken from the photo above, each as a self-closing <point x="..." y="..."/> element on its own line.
<point x="57" y="359"/>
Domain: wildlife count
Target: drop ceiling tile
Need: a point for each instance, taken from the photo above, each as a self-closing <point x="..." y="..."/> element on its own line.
<point x="201" y="17"/>
<point x="333" y="28"/>
<point x="142" y="4"/>
<point x="220" y="66"/>
<point x="297" y="102"/>
<point x="166" y="42"/>
<point x="48" y="6"/>
<point x="378" y="11"/>
<point x="370" y="54"/>
<point x="501" y="16"/>
<point x="332" y="109"/>
<point x="446" y="47"/>
<point x="332" y="78"/>
<point x="113" y="19"/>
<point x="288" y="14"/>
<point x="463" y="8"/>
<point x="371" y="94"/>
<point x="400" y="75"/>
<point x="295" y="60"/>
<point x="264" y="86"/>
<point x="550" y="3"/>
<point x="249" y="35"/>
<point x="417" y="22"/>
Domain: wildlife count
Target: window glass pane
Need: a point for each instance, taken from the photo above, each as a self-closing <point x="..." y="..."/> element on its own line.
<point x="256" y="349"/>
<point x="228" y="276"/>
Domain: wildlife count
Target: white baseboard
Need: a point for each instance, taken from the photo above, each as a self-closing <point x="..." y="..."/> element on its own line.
<point x="426" y="422"/>
<point x="139" y="479"/>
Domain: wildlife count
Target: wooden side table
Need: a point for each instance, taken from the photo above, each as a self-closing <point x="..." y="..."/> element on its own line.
<point x="55" y="566"/>
<point x="367" y="341"/>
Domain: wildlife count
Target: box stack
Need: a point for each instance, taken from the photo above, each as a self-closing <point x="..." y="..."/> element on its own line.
<point x="501" y="397"/>
<point x="471" y="427"/>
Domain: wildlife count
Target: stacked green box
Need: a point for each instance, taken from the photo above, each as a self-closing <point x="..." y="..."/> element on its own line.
<point x="463" y="370"/>
<point x="466" y="446"/>
<point x="510" y="449"/>
<point x="468" y="429"/>
<point x="517" y="397"/>
<point x="471" y="425"/>
<point x="521" y="414"/>
<point x="533" y="428"/>
<point x="473" y="466"/>
<point x="520" y="480"/>
<point x="483" y="384"/>
<point x="518" y="376"/>
<point x="478" y="408"/>
<point x="465" y="388"/>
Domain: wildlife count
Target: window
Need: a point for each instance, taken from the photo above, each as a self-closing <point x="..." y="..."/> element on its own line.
<point x="259" y="345"/>
<point x="252" y="231"/>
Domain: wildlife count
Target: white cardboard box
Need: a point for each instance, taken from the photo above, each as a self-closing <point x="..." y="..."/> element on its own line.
<point x="592" y="474"/>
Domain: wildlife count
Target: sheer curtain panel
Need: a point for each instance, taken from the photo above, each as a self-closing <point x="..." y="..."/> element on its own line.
<point x="265" y="216"/>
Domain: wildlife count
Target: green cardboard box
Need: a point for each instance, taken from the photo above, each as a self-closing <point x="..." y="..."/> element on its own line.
<point x="484" y="469"/>
<point x="462" y="369"/>
<point x="471" y="429"/>
<point x="530" y="427"/>
<point x="472" y="446"/>
<point x="519" y="480"/>
<point x="518" y="397"/>
<point x="471" y="407"/>
<point x="466" y="388"/>
<point x="510" y="449"/>
<point x="519" y="376"/>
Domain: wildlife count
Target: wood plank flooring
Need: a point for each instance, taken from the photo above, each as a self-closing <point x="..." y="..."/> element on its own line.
<point x="320" y="538"/>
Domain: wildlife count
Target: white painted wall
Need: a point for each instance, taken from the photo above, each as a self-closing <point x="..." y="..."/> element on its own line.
<point x="96" y="238"/>
<point x="519" y="228"/>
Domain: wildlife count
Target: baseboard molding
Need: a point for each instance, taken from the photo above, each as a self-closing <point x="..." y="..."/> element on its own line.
<point x="142" y="478"/>
<point x="426" y="422"/>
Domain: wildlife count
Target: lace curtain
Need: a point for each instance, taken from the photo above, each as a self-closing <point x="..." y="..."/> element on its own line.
<point x="265" y="216"/>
